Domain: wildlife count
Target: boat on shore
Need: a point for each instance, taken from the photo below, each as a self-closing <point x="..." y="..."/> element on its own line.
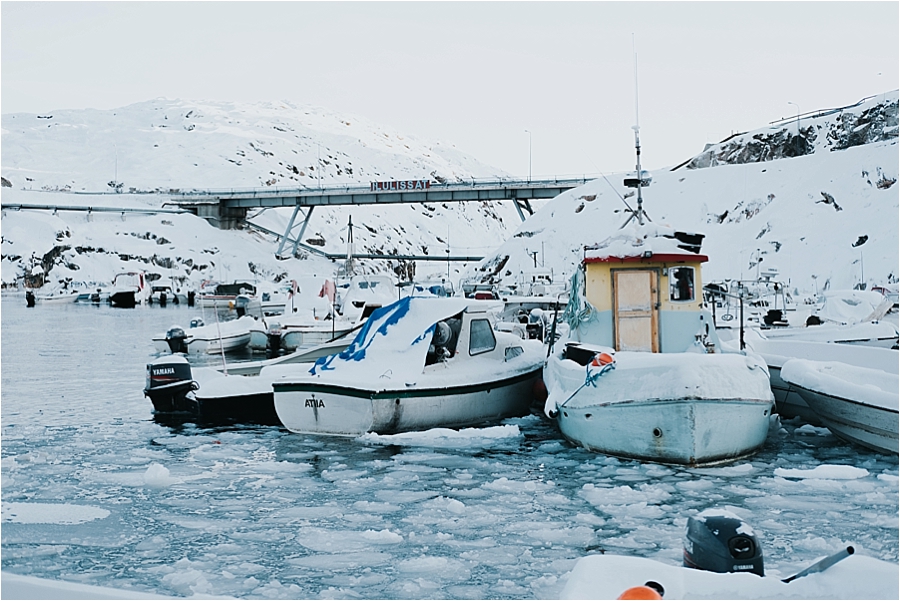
<point x="858" y="404"/>
<point x="642" y="374"/>
<point x="418" y="363"/>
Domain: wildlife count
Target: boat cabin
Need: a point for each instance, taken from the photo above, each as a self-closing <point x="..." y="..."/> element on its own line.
<point x="646" y="295"/>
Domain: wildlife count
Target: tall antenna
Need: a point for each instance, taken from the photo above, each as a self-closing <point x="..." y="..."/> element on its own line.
<point x="638" y="180"/>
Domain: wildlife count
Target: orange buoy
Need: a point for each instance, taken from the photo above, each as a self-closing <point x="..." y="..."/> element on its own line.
<point x="601" y="359"/>
<point x="640" y="592"/>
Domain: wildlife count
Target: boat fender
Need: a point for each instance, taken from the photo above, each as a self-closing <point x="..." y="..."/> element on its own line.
<point x="602" y="363"/>
<point x="539" y="390"/>
<point x="643" y="592"/>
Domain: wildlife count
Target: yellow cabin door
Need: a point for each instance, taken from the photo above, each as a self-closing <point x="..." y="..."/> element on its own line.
<point x="636" y="310"/>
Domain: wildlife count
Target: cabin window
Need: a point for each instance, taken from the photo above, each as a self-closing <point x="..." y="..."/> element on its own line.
<point x="481" y="337"/>
<point x="681" y="284"/>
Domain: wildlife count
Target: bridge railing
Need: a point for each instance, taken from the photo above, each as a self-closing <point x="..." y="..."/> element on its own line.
<point x="474" y="183"/>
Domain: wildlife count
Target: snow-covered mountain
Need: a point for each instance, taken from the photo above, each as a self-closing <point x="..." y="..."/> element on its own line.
<point x="816" y="198"/>
<point x="147" y="150"/>
<point x="820" y="206"/>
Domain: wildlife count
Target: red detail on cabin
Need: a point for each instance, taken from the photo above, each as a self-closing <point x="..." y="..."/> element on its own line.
<point x="656" y="258"/>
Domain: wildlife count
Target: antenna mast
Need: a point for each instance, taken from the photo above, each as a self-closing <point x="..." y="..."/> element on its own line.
<point x="638" y="181"/>
<point x="637" y="140"/>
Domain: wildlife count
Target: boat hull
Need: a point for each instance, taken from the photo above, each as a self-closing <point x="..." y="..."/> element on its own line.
<point x="685" y="431"/>
<point x="316" y="408"/>
<point x="788" y="401"/>
<point x="868" y="425"/>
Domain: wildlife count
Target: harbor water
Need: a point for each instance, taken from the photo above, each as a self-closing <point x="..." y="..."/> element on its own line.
<point x="96" y="490"/>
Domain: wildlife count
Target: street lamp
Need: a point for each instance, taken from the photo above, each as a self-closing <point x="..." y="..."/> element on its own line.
<point x="798" y="115"/>
<point x="529" y="154"/>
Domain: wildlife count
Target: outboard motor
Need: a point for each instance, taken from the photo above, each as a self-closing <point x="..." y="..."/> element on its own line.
<point x="190" y="298"/>
<point x="162" y="299"/>
<point x="273" y="340"/>
<point x="29" y="298"/>
<point x="719" y="541"/>
<point x="169" y="384"/>
<point x="175" y="338"/>
<point x="241" y="304"/>
<point x="95" y="297"/>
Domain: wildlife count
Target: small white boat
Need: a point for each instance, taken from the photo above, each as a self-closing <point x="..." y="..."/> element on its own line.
<point x="223" y="336"/>
<point x="129" y="289"/>
<point x="857" y="404"/>
<point x="164" y="294"/>
<point x="642" y="374"/>
<point x="237" y="297"/>
<point x="776" y="352"/>
<point x="59" y="297"/>
<point x="239" y="392"/>
<point x="418" y="363"/>
<point x="309" y="319"/>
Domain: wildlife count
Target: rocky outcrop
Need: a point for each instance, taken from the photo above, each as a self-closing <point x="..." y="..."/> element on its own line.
<point x="870" y="121"/>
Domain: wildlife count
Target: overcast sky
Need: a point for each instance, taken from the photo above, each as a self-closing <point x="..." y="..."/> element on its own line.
<point x="477" y="75"/>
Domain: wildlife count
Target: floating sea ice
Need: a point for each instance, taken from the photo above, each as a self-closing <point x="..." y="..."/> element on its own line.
<point x="827" y="472"/>
<point x="50" y="513"/>
<point x="158" y="476"/>
<point x="812" y="430"/>
<point x="446" y="437"/>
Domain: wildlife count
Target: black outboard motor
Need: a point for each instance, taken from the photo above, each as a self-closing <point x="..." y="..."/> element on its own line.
<point x="191" y="294"/>
<point x="169" y="384"/>
<point x="95" y="297"/>
<point x="29" y="298"/>
<point x="719" y="541"/>
<point x="175" y="338"/>
<point x="273" y="340"/>
<point x="162" y="299"/>
<point x="241" y="304"/>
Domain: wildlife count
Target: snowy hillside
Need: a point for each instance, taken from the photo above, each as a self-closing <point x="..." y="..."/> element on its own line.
<point x="148" y="149"/>
<point x="820" y="204"/>
<point x="823" y="205"/>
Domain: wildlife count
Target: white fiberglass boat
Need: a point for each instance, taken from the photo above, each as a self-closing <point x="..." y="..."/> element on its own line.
<point x="857" y="404"/>
<point x="223" y="336"/>
<point x="776" y="352"/>
<point x="642" y="374"/>
<point x="418" y="363"/>
<point x="129" y="289"/>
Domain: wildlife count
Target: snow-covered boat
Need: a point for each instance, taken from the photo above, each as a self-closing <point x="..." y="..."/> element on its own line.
<point x="239" y="297"/>
<point x="310" y="319"/>
<point x="61" y="296"/>
<point x="221" y="336"/>
<point x="858" y="404"/>
<point x="418" y="363"/>
<point x="642" y="374"/>
<point x="240" y="392"/>
<point x="788" y="402"/>
<point x="164" y="294"/>
<point x="129" y="289"/>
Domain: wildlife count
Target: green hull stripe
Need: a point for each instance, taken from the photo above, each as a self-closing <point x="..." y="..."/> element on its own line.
<point x="402" y="394"/>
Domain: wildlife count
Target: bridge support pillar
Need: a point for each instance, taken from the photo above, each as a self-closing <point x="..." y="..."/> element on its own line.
<point x="224" y="218"/>
<point x="522" y="203"/>
<point x="287" y="232"/>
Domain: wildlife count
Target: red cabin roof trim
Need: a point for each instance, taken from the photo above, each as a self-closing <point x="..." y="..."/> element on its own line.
<point x="656" y="258"/>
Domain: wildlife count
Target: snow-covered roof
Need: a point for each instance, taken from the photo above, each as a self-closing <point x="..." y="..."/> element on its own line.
<point x="643" y="242"/>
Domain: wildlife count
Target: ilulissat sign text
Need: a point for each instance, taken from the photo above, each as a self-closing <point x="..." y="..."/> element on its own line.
<point x="412" y="184"/>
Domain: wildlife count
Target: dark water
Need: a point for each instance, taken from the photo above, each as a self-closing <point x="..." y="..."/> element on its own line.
<point x="259" y="512"/>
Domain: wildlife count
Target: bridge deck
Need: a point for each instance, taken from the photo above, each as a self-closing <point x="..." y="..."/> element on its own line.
<point x="358" y="195"/>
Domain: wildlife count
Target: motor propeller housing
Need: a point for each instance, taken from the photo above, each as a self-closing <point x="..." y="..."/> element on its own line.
<point x="719" y="541"/>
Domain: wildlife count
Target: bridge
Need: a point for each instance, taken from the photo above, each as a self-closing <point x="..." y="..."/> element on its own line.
<point x="227" y="208"/>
